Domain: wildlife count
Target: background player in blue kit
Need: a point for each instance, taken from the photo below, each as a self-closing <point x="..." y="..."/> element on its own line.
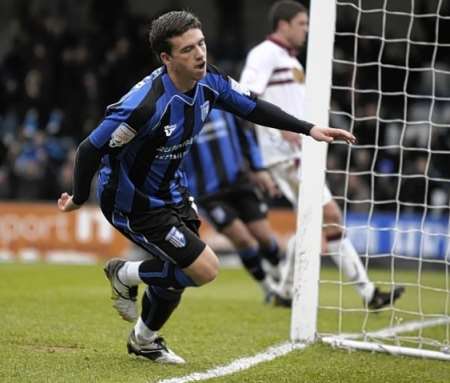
<point x="227" y="179"/>
<point x="139" y="146"/>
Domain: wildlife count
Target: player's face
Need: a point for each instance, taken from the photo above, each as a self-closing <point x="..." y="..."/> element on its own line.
<point x="297" y="30"/>
<point x="188" y="56"/>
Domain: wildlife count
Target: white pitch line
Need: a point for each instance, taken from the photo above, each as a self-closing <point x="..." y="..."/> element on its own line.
<point x="285" y="348"/>
<point x="239" y="364"/>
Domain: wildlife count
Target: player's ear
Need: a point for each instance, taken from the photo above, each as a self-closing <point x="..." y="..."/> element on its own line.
<point x="165" y="58"/>
<point x="283" y="25"/>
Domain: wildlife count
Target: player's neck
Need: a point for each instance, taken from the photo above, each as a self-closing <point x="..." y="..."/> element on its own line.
<point x="282" y="39"/>
<point x="182" y="84"/>
<point x="279" y="39"/>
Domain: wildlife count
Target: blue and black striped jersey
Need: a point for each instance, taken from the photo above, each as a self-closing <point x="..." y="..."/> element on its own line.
<point x="217" y="157"/>
<point x="145" y="136"/>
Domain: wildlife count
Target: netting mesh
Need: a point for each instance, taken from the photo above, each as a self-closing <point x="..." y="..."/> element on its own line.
<point x="391" y="88"/>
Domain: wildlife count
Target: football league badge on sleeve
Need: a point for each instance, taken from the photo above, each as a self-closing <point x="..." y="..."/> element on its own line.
<point x="122" y="135"/>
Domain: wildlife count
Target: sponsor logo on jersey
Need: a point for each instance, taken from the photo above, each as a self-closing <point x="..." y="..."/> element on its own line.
<point x="174" y="152"/>
<point x="169" y="129"/>
<point x="299" y="75"/>
<point x="204" y="110"/>
<point x="122" y="135"/>
<point x="176" y="238"/>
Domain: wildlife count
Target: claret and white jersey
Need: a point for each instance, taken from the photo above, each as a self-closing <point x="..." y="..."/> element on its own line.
<point x="273" y="72"/>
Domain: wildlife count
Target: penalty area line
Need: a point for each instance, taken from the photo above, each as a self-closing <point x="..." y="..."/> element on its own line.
<point x="240" y="364"/>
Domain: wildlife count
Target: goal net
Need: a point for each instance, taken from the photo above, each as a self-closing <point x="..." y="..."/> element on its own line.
<point x="390" y="86"/>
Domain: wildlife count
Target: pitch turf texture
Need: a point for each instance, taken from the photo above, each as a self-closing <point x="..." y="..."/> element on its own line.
<point x="57" y="325"/>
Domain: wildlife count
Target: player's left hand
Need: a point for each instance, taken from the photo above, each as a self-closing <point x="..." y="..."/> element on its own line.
<point x="330" y="134"/>
<point x="66" y="204"/>
<point x="264" y="181"/>
<point x="294" y="139"/>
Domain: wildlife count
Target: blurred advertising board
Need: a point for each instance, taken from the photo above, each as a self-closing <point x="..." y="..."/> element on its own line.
<point x="408" y="235"/>
<point x="31" y="232"/>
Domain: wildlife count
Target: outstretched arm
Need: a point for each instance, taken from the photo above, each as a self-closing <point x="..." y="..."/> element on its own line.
<point x="270" y="115"/>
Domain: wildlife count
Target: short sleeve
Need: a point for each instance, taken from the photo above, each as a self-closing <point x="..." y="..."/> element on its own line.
<point x="235" y="98"/>
<point x="126" y="117"/>
<point x="113" y="133"/>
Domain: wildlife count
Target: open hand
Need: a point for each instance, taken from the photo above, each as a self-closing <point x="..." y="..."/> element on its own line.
<point x="294" y="139"/>
<point x="264" y="181"/>
<point x="66" y="204"/>
<point x="330" y="134"/>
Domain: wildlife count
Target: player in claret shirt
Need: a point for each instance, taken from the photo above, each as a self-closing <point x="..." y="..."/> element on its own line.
<point x="228" y="181"/>
<point x="273" y="71"/>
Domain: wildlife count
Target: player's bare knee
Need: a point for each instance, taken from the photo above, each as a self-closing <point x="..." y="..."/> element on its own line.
<point x="206" y="275"/>
<point x="209" y="274"/>
<point x="239" y="236"/>
<point x="332" y="213"/>
<point x="213" y="268"/>
<point x="205" y="268"/>
<point x="244" y="243"/>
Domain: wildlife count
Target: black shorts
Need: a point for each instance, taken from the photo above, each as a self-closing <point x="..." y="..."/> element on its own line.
<point x="169" y="233"/>
<point x="242" y="201"/>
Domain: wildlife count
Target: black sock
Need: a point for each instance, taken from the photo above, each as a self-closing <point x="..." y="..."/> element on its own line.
<point x="158" y="304"/>
<point x="252" y="262"/>
<point x="271" y="253"/>
<point x="155" y="272"/>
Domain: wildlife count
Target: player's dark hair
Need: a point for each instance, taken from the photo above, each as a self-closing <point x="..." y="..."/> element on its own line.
<point x="284" y="10"/>
<point x="169" y="25"/>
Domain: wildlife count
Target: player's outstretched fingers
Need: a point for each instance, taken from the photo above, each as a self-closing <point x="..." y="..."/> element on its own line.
<point x="343" y="135"/>
<point x="330" y="134"/>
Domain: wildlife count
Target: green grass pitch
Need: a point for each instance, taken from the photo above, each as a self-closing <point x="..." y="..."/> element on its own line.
<point x="57" y="325"/>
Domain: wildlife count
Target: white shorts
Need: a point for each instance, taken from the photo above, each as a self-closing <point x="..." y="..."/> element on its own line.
<point x="287" y="177"/>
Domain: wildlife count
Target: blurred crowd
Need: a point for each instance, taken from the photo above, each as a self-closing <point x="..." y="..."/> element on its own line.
<point x="396" y="100"/>
<point x="56" y="79"/>
<point x="58" y="76"/>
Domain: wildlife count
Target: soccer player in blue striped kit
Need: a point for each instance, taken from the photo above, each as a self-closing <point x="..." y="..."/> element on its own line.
<point x="228" y="181"/>
<point x="139" y="147"/>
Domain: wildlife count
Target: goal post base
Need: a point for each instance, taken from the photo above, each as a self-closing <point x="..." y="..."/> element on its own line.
<point x="336" y="341"/>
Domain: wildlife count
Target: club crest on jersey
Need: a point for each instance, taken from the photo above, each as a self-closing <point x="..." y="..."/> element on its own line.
<point x="121" y="136"/>
<point x="168" y="129"/>
<point x="218" y="215"/>
<point x="263" y="208"/>
<point x="204" y="110"/>
<point x="299" y="75"/>
<point x="176" y="237"/>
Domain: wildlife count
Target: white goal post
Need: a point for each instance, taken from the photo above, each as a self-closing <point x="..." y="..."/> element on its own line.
<point x="309" y="219"/>
<point x="414" y="234"/>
